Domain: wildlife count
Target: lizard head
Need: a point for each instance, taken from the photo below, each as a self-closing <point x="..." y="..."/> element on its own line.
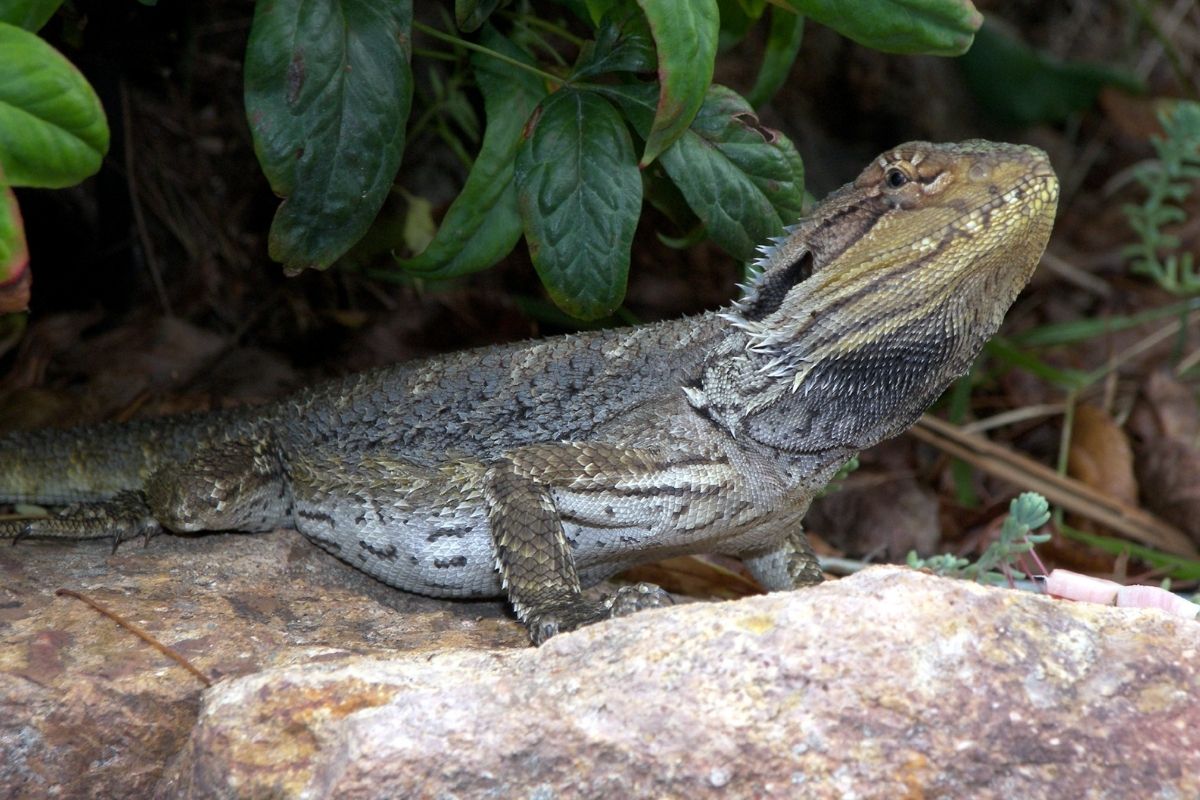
<point x="875" y="302"/>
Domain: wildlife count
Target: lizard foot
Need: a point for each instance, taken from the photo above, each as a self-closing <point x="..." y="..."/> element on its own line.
<point x="637" y="597"/>
<point x="124" y="517"/>
<point x="568" y="615"/>
<point x="561" y="617"/>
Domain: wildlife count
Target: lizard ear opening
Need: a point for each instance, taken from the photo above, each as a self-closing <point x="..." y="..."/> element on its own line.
<point x="772" y="286"/>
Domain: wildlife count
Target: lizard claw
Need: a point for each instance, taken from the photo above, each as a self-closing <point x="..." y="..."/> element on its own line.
<point x="18" y="530"/>
<point x="543" y="629"/>
<point x="561" y="617"/>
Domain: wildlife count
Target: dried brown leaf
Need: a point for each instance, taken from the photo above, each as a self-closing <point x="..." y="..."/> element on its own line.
<point x="1170" y="474"/>
<point x="1167" y="408"/>
<point x="1100" y="454"/>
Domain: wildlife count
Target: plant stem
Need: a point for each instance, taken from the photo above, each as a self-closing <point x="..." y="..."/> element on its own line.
<point x="437" y="55"/>
<point x="546" y="25"/>
<point x="445" y="37"/>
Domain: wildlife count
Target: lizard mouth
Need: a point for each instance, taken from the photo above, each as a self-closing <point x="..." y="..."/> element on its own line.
<point x="1029" y="196"/>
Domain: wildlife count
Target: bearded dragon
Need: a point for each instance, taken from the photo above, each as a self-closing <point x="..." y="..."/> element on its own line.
<point x="533" y="470"/>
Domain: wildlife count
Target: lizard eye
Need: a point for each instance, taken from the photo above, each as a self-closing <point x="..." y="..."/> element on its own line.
<point x="895" y="178"/>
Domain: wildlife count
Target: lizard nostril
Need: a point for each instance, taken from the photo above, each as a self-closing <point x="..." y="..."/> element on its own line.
<point x="979" y="173"/>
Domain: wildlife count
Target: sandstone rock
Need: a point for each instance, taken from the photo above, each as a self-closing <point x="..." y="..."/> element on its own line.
<point x="886" y="684"/>
<point x="89" y="710"/>
<point x="890" y="683"/>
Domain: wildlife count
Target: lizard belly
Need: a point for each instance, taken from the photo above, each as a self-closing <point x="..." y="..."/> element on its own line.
<point x="609" y="532"/>
<point x="437" y="552"/>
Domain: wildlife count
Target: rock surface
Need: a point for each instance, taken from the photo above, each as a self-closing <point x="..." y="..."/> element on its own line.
<point x="89" y="710"/>
<point x="887" y="684"/>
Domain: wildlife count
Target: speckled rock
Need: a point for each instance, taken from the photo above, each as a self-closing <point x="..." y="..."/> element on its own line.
<point x="887" y="684"/>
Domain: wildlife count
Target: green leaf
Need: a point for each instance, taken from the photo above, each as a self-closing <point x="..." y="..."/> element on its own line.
<point x="52" y="128"/>
<point x="662" y="193"/>
<point x="623" y="44"/>
<point x="931" y="27"/>
<point x="752" y="8"/>
<point x="1078" y="330"/>
<point x="1067" y="378"/>
<point x="1177" y="567"/>
<point x="14" y="254"/>
<point x="685" y="33"/>
<point x="1018" y="85"/>
<point x="783" y="44"/>
<point x="14" y="267"/>
<point x="28" y="14"/>
<point x="596" y="9"/>
<point x="470" y="14"/>
<point x="579" y="192"/>
<point x="328" y="90"/>
<point x="482" y="224"/>
<point x="743" y="180"/>
<point x="737" y="18"/>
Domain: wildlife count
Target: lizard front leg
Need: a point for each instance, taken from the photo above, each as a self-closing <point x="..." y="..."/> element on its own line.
<point x="532" y="551"/>
<point x="788" y="564"/>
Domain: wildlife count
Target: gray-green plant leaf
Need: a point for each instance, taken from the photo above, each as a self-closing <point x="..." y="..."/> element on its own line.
<point x="931" y="27"/>
<point x="579" y="193"/>
<point x="685" y="34"/>
<point x="52" y="128"/>
<point x="328" y="91"/>
<point x="482" y="224"/>
<point x="744" y="181"/>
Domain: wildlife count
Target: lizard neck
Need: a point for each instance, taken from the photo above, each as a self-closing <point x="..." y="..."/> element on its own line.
<point x="835" y="387"/>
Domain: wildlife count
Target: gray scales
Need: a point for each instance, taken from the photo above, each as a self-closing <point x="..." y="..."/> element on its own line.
<point x="534" y="469"/>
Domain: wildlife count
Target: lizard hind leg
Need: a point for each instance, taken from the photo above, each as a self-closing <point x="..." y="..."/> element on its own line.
<point x="240" y="484"/>
<point x="535" y="561"/>
<point x="235" y="485"/>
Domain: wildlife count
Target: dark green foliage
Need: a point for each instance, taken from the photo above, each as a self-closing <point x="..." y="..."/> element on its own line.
<point x="579" y="193"/>
<point x="1020" y="86"/>
<point x="328" y="89"/>
<point x="569" y="150"/>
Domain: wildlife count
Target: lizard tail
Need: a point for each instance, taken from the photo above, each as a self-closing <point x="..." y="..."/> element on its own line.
<point x="88" y="464"/>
